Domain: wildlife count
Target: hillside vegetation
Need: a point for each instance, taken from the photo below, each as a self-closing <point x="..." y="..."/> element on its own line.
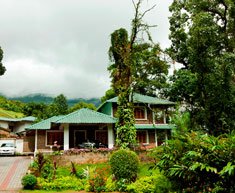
<point x="42" y="98"/>
<point x="10" y="114"/>
<point x="42" y="106"/>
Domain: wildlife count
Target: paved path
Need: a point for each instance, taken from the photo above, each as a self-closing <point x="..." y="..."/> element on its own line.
<point x="12" y="169"/>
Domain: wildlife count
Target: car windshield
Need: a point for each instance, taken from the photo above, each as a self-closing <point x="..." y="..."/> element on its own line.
<point x="7" y="145"/>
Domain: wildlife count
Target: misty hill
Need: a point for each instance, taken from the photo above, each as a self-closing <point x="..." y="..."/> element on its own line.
<point x="42" y="98"/>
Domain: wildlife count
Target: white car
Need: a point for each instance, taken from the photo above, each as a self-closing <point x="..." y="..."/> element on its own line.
<point x="7" y="149"/>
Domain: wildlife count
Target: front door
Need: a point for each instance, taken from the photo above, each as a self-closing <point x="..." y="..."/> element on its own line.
<point x="102" y="136"/>
<point x="80" y="137"/>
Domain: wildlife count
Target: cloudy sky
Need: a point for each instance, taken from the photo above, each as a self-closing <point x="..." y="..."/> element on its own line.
<point x="60" y="46"/>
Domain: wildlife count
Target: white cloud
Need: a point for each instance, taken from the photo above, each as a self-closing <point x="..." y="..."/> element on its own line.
<point x="59" y="46"/>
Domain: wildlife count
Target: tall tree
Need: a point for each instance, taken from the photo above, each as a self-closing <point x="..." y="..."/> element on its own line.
<point x="203" y="40"/>
<point x="59" y="105"/>
<point x="2" y="68"/>
<point x="81" y="105"/>
<point x="137" y="67"/>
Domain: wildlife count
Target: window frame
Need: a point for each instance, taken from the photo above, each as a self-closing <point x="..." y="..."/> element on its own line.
<point x="52" y="131"/>
<point x="145" y="112"/>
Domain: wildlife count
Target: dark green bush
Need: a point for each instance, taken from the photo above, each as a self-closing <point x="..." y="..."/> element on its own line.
<point x="124" y="164"/>
<point x="199" y="162"/>
<point x="150" y="184"/>
<point x="29" y="181"/>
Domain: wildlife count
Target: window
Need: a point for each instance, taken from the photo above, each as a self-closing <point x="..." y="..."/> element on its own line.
<point x="53" y="136"/>
<point x="140" y="113"/>
<point x="141" y="136"/>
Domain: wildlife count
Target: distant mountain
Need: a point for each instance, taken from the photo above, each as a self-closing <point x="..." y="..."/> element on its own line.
<point x="42" y="98"/>
<point x="37" y="98"/>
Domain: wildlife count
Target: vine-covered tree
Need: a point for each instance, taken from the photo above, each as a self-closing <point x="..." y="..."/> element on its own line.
<point x="2" y="68"/>
<point x="137" y="67"/>
<point x="203" y="40"/>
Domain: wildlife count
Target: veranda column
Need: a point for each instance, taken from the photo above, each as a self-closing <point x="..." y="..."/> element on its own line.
<point x="110" y="136"/>
<point x="66" y="136"/>
<point x="166" y="136"/>
<point x="156" y="137"/>
<point x="36" y="143"/>
<point x="147" y="137"/>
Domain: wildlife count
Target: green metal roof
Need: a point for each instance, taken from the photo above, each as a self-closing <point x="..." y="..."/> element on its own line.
<point x="7" y="119"/>
<point x="154" y="126"/>
<point x="45" y="124"/>
<point x="18" y="119"/>
<point x="139" y="98"/>
<point x="30" y="118"/>
<point x="86" y="116"/>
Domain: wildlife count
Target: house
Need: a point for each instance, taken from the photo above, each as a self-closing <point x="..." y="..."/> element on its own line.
<point x="152" y="118"/>
<point x="87" y="128"/>
<point x="12" y="130"/>
<point x="15" y="125"/>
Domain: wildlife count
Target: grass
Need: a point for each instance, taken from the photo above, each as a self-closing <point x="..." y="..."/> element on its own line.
<point x="65" y="171"/>
<point x="10" y="114"/>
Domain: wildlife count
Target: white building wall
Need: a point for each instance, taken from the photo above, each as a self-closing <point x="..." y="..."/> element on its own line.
<point x="18" y="143"/>
<point x="4" y="124"/>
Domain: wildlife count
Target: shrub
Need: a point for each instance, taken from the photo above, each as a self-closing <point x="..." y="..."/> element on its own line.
<point x="61" y="183"/>
<point x="124" y="164"/>
<point x="199" y="162"/>
<point x="110" y="185"/>
<point x="29" y="181"/>
<point x="97" y="180"/>
<point x="42" y="166"/>
<point x="150" y="184"/>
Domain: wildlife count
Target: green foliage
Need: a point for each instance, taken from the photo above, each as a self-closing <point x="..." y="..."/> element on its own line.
<point x="149" y="72"/>
<point x="41" y="98"/>
<point x="97" y="180"/>
<point x="2" y="68"/>
<point x="199" y="162"/>
<point x="61" y="183"/>
<point x="126" y="132"/>
<point x="81" y="105"/>
<point x="42" y="166"/>
<point x="39" y="110"/>
<point x="150" y="184"/>
<point x="110" y="185"/>
<point x="29" y="181"/>
<point x="59" y="105"/>
<point x="11" y="105"/>
<point x="203" y="41"/>
<point x="121" y="184"/>
<point x="124" y="164"/>
<point x="108" y="95"/>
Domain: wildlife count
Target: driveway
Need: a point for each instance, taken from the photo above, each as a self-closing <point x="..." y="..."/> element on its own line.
<point x="12" y="169"/>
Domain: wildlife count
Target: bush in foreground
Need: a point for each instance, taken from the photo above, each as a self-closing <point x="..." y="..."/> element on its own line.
<point x="150" y="184"/>
<point x="29" y="181"/>
<point x="199" y="162"/>
<point x="124" y="164"/>
<point x="61" y="183"/>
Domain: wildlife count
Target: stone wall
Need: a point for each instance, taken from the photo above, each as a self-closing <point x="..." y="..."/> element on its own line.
<point x="92" y="157"/>
<point x="82" y="158"/>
